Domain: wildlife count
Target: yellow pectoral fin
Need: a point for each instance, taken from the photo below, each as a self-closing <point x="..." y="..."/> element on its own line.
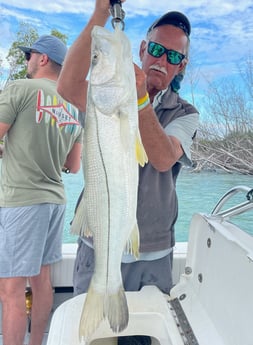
<point x="140" y="152"/>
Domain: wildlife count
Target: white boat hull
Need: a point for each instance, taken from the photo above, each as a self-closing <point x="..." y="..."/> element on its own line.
<point x="211" y="304"/>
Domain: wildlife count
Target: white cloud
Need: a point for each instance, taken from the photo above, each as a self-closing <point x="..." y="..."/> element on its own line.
<point x="222" y="31"/>
<point x="137" y="7"/>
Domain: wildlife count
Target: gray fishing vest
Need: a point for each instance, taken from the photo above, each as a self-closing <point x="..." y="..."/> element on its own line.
<point x="157" y="200"/>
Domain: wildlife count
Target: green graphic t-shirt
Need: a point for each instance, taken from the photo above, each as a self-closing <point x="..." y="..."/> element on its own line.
<point x="43" y="130"/>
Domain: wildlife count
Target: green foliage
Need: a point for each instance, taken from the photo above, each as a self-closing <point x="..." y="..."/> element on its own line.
<point x="58" y="34"/>
<point x="25" y="37"/>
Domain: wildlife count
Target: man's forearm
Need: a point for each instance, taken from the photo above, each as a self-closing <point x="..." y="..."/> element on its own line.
<point x="72" y="84"/>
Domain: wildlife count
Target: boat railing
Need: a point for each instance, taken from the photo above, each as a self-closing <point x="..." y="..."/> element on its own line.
<point x="237" y="209"/>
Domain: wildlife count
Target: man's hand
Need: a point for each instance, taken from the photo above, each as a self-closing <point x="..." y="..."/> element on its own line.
<point x="141" y="78"/>
<point x="103" y="6"/>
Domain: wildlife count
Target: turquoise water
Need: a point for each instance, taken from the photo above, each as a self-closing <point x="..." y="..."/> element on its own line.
<point x="197" y="192"/>
<point x="200" y="192"/>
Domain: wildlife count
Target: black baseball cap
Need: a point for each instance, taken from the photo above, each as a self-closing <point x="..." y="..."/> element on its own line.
<point x="175" y="18"/>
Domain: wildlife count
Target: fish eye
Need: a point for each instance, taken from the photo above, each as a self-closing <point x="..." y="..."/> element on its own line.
<point x="94" y="58"/>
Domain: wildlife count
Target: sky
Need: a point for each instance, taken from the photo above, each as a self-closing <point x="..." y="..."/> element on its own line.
<point x="221" y="38"/>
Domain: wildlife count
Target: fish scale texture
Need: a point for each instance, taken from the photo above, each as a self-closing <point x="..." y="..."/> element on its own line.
<point x="108" y="207"/>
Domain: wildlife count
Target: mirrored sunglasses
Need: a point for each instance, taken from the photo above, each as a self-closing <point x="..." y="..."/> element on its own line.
<point x="157" y="50"/>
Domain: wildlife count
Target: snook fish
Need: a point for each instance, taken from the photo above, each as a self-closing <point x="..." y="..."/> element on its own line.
<point x="112" y="151"/>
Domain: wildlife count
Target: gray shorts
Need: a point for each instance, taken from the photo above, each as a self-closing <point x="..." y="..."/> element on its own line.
<point x="30" y="237"/>
<point x="135" y="274"/>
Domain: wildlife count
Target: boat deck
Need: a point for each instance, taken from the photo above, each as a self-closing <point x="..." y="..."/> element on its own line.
<point x="62" y="277"/>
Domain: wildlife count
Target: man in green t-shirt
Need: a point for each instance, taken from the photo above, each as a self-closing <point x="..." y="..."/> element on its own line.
<point x="41" y="137"/>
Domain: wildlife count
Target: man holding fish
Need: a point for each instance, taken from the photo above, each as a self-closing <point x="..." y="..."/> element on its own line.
<point x="167" y="126"/>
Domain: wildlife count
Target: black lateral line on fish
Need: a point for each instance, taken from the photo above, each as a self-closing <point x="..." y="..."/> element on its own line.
<point x="108" y="196"/>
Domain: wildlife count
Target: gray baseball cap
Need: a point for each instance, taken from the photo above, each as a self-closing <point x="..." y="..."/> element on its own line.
<point x="50" y="45"/>
<point x="175" y="18"/>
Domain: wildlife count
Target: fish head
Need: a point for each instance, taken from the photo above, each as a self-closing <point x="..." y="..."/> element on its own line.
<point x="104" y="57"/>
<point x="109" y="74"/>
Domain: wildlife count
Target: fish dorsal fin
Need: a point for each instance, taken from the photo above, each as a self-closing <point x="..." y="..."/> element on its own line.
<point x="132" y="245"/>
<point x="79" y="225"/>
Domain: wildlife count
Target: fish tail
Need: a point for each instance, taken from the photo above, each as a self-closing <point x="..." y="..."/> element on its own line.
<point x="140" y="152"/>
<point x="97" y="307"/>
<point x="92" y="313"/>
<point x="117" y="310"/>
